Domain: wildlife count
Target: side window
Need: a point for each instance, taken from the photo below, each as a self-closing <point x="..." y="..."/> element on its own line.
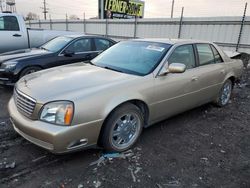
<point x="205" y="54"/>
<point x="9" y="23"/>
<point x="1" y="24"/>
<point x="82" y="45"/>
<point x="102" y="44"/>
<point x="217" y="56"/>
<point x="183" y="54"/>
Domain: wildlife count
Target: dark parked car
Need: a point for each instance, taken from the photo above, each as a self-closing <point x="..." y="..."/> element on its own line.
<point x="59" y="51"/>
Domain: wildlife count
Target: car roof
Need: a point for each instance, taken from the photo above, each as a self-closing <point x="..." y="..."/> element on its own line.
<point x="171" y="41"/>
<point x="83" y="35"/>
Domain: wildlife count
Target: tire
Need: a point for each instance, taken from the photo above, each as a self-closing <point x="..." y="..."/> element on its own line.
<point x="119" y="134"/>
<point x="225" y="94"/>
<point x="29" y="70"/>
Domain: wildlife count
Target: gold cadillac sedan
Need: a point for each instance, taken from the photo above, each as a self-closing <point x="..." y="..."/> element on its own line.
<point x="108" y="101"/>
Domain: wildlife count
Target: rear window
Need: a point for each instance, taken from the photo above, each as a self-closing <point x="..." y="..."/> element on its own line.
<point x="217" y="56"/>
<point x="9" y="23"/>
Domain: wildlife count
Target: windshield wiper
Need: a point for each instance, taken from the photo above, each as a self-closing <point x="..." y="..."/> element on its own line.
<point x="44" y="48"/>
<point x="109" y="68"/>
<point x="89" y="62"/>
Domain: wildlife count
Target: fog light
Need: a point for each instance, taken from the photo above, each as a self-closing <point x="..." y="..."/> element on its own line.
<point x="78" y="143"/>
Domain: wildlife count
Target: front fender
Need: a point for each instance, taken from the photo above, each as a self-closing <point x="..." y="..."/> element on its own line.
<point x="117" y="101"/>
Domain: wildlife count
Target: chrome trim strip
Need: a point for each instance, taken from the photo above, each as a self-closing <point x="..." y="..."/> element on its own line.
<point x="24" y="103"/>
<point x="24" y="95"/>
<point x="82" y="52"/>
<point x="4" y="79"/>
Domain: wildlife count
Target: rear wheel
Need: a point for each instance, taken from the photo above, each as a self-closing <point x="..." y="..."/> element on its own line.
<point x="29" y="70"/>
<point x="225" y="94"/>
<point x="122" y="128"/>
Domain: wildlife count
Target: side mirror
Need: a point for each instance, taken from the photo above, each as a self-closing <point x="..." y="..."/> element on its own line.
<point x="173" y="68"/>
<point x="176" y="68"/>
<point x="68" y="53"/>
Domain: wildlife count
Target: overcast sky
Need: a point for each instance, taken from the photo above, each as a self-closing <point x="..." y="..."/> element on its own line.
<point x="153" y="8"/>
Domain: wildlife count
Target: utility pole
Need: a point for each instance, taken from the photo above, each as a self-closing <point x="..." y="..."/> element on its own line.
<point x="172" y="10"/>
<point x="45" y="9"/>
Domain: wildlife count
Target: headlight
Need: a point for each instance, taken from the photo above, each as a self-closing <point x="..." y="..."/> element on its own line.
<point x="9" y="65"/>
<point x="59" y="113"/>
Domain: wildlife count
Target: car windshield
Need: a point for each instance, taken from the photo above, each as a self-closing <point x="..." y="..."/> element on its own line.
<point x="132" y="57"/>
<point x="56" y="44"/>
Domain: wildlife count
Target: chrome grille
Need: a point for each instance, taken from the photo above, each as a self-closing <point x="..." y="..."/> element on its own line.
<point x="24" y="103"/>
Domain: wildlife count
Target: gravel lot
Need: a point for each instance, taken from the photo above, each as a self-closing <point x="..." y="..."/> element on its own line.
<point x="204" y="147"/>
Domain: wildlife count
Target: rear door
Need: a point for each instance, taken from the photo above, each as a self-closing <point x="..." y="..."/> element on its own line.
<point x="11" y="35"/>
<point x="78" y="51"/>
<point x="101" y="44"/>
<point x="211" y="71"/>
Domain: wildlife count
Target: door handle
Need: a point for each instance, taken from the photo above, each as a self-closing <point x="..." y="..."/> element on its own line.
<point x="195" y="78"/>
<point x="16" y="35"/>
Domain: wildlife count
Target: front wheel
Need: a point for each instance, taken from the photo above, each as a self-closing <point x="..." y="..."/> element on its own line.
<point x="225" y="94"/>
<point x="122" y="128"/>
<point x="29" y="70"/>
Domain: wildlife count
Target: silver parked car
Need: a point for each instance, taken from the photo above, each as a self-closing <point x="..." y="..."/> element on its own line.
<point x="132" y="85"/>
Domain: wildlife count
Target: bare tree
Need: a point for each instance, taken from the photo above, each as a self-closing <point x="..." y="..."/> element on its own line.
<point x="32" y="16"/>
<point x="74" y="17"/>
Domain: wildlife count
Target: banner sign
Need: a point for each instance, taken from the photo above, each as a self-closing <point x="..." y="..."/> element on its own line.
<point x="123" y="9"/>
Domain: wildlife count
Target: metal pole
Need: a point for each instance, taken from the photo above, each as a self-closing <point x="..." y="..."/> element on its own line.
<point x="241" y="28"/>
<point x="67" y="26"/>
<point x="84" y="23"/>
<point x="172" y="10"/>
<point x="50" y="22"/>
<point x="39" y="23"/>
<point x="29" y="23"/>
<point x="107" y="23"/>
<point x="135" y="27"/>
<point x="180" y="26"/>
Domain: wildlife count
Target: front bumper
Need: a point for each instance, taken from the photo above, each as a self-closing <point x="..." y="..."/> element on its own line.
<point x="57" y="139"/>
<point x="7" y="78"/>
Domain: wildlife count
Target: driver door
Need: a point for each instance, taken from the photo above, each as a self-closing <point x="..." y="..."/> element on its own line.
<point x="177" y="92"/>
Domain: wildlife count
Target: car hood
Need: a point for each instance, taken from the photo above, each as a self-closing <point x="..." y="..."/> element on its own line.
<point x="69" y="82"/>
<point x="18" y="54"/>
